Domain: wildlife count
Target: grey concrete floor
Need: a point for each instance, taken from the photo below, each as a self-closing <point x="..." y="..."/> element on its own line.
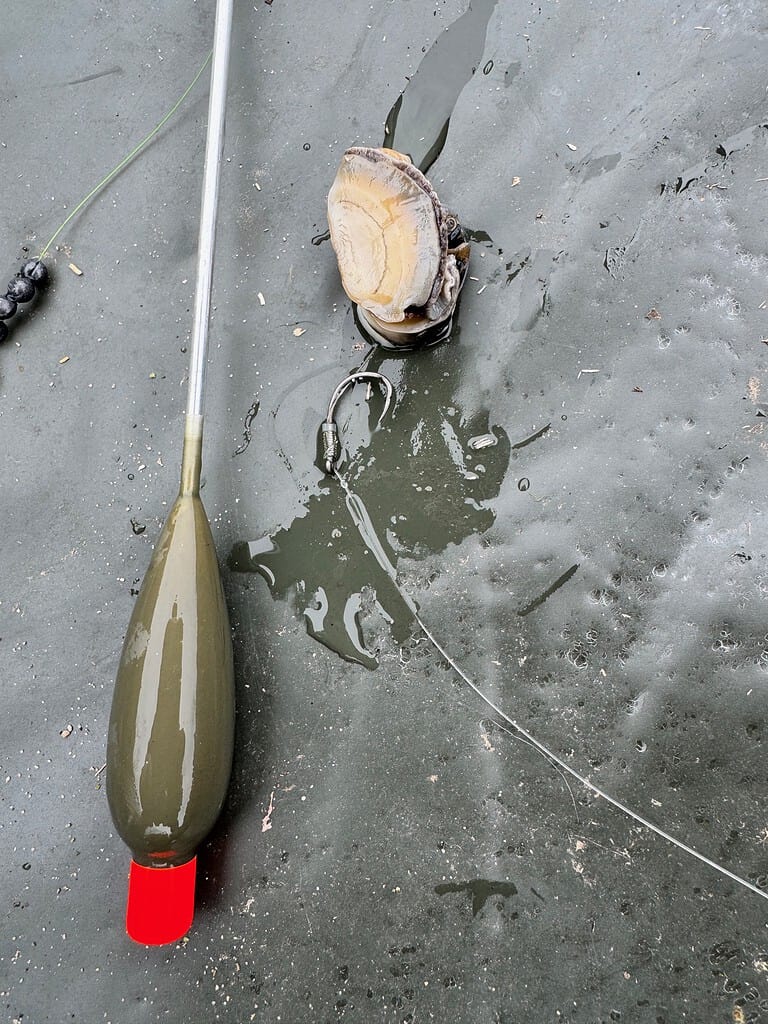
<point x="421" y="863"/>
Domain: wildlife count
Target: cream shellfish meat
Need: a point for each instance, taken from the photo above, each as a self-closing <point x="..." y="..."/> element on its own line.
<point x="401" y="255"/>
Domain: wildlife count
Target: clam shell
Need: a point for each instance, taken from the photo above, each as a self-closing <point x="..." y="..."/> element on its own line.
<point x="387" y="231"/>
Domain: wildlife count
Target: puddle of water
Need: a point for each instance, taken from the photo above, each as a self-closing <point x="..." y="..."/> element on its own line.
<point x="321" y="563"/>
<point x="421" y="485"/>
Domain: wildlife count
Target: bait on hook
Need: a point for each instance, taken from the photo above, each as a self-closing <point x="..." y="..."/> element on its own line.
<point x="364" y="525"/>
<point x="402" y="256"/>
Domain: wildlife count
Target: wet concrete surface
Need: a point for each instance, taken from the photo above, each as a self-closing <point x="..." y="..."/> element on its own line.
<point x="387" y="851"/>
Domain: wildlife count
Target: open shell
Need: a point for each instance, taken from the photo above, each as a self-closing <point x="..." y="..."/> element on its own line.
<point x="391" y="238"/>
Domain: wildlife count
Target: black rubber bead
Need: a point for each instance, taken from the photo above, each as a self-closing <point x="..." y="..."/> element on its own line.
<point x="21" y="289"/>
<point x="35" y="270"/>
<point x="3" y="332"/>
<point x="7" y="307"/>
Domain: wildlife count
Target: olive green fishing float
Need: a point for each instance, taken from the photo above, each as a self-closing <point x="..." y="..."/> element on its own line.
<point x="171" y="730"/>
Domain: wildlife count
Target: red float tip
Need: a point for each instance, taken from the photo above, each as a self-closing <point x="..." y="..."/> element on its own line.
<point x="161" y="902"/>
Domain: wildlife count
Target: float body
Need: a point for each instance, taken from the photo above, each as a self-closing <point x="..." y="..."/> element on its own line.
<point x="171" y="730"/>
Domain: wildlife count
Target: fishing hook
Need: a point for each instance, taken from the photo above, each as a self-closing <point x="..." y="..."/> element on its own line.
<point x="329" y="429"/>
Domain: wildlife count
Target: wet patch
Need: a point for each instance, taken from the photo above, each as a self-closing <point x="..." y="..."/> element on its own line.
<point x="511" y="73"/>
<point x="480" y="889"/>
<point x="250" y="416"/>
<point x="418" y="122"/>
<point x="723" y="151"/>
<point x="534" y="287"/>
<point x="593" y="167"/>
<point x="559" y="582"/>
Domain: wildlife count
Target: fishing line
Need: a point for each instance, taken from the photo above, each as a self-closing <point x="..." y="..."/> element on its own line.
<point x="32" y="276"/>
<point x="126" y="160"/>
<point x="365" y="527"/>
<point x="552" y="756"/>
<point x="552" y="765"/>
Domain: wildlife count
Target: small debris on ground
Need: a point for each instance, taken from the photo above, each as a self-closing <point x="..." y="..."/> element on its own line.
<point x="653" y="314"/>
<point x="266" y="821"/>
<point x="75" y="269"/>
<point x="66" y="731"/>
<point x="571" y="146"/>
<point x="64" y="359"/>
<point x="298" y="331"/>
<point x="262" y="300"/>
<point x="482" y="441"/>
